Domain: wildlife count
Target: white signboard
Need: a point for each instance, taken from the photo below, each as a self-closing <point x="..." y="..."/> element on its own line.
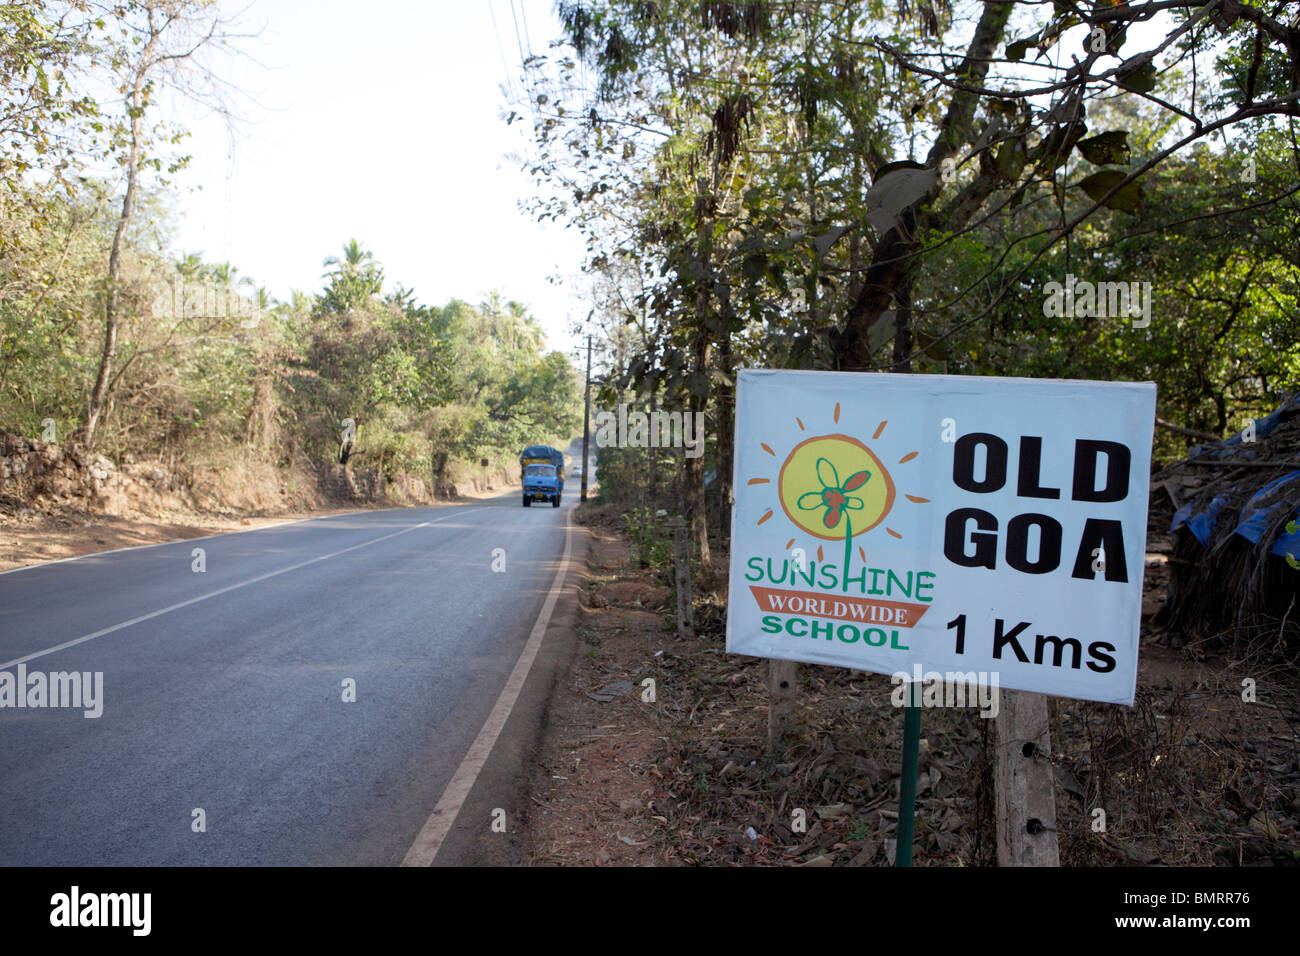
<point x="937" y="523"/>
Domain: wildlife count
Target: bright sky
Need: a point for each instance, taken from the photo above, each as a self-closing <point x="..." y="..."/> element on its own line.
<point x="381" y="121"/>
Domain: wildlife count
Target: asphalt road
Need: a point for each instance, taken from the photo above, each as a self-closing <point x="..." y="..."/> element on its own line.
<point x="234" y="703"/>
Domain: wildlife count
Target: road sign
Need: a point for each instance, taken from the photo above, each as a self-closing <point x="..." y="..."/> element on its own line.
<point x="944" y="524"/>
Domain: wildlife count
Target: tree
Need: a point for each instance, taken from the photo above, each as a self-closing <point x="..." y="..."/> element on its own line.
<point x="886" y="187"/>
<point x="161" y="46"/>
<point x="354" y="281"/>
<point x="735" y="186"/>
<point x="44" y="115"/>
<point x="1015" y="161"/>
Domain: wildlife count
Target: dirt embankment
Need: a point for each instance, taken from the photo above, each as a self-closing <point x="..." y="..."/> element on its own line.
<point x="58" y="502"/>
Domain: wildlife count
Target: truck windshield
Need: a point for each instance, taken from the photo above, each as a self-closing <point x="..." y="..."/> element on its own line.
<point x="540" y="471"/>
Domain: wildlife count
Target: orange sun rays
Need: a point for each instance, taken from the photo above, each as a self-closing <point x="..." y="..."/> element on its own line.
<point x="880" y="430"/>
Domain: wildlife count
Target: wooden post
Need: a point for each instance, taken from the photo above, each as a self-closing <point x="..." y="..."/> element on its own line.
<point x="682" y="579"/>
<point x="1025" y="796"/>
<point x="782" y="685"/>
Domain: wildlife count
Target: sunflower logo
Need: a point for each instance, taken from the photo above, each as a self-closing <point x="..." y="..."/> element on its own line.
<point x="817" y="501"/>
<point x="832" y="497"/>
<point x="835" y="488"/>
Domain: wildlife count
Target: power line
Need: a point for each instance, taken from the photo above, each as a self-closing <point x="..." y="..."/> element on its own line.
<point x="502" y="50"/>
<point x="523" y="15"/>
<point x="518" y="42"/>
<point x="523" y="60"/>
<point x="510" y="90"/>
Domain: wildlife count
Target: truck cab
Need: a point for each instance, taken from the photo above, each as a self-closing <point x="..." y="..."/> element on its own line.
<point x="543" y="455"/>
<point x="542" y="483"/>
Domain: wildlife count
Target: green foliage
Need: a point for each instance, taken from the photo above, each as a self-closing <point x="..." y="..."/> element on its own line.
<point x="626" y="473"/>
<point x="428" y="387"/>
<point x="645" y="526"/>
<point x="725" y="182"/>
<point x="43" y="115"/>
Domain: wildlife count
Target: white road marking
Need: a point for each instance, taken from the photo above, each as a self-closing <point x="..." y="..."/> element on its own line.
<point x="431" y="836"/>
<point x="219" y="591"/>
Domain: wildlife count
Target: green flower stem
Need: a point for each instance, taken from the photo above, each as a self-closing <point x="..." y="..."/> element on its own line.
<point x="848" y="548"/>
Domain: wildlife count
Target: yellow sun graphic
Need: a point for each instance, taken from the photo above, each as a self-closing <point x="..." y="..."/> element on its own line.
<point x="834" y="487"/>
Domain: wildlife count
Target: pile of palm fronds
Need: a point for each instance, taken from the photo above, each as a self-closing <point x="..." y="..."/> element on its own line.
<point x="1232" y="506"/>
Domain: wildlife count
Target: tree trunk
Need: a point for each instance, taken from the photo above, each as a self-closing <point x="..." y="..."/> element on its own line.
<point x="695" y="507"/>
<point x="726" y="424"/>
<point x="259" y="425"/>
<point x="112" y="320"/>
<point x="903" y="325"/>
<point x="653" y="493"/>
<point x="890" y="266"/>
<point x="726" y="405"/>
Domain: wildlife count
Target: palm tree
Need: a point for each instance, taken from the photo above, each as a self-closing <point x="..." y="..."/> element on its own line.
<point x="223" y="272"/>
<point x="300" y="303"/>
<point x="527" y="334"/>
<point x="494" y="305"/>
<point x="263" y="304"/>
<point x="191" y="266"/>
<point x="402" y="297"/>
<point x="355" y="257"/>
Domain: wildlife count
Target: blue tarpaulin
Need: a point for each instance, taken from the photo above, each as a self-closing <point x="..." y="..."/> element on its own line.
<point x="1256" y="515"/>
<point x="1263" y="428"/>
<point x="1202" y="522"/>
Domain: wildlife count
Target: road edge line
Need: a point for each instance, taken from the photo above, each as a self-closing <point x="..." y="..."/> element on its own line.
<point x="424" y="849"/>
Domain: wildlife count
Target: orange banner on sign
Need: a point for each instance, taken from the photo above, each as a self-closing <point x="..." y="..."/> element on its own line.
<point x="840" y="607"/>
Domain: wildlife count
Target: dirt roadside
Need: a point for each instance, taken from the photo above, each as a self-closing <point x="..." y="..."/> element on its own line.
<point x="27" y="539"/>
<point x="1193" y="774"/>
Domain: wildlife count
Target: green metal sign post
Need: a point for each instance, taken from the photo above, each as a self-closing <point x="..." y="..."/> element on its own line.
<point x="907" y="782"/>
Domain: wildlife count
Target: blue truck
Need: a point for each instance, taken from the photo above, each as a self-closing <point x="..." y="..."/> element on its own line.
<point x="541" y="470"/>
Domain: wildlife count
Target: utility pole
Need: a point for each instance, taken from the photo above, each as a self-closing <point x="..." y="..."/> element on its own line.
<point x="586" y="422"/>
